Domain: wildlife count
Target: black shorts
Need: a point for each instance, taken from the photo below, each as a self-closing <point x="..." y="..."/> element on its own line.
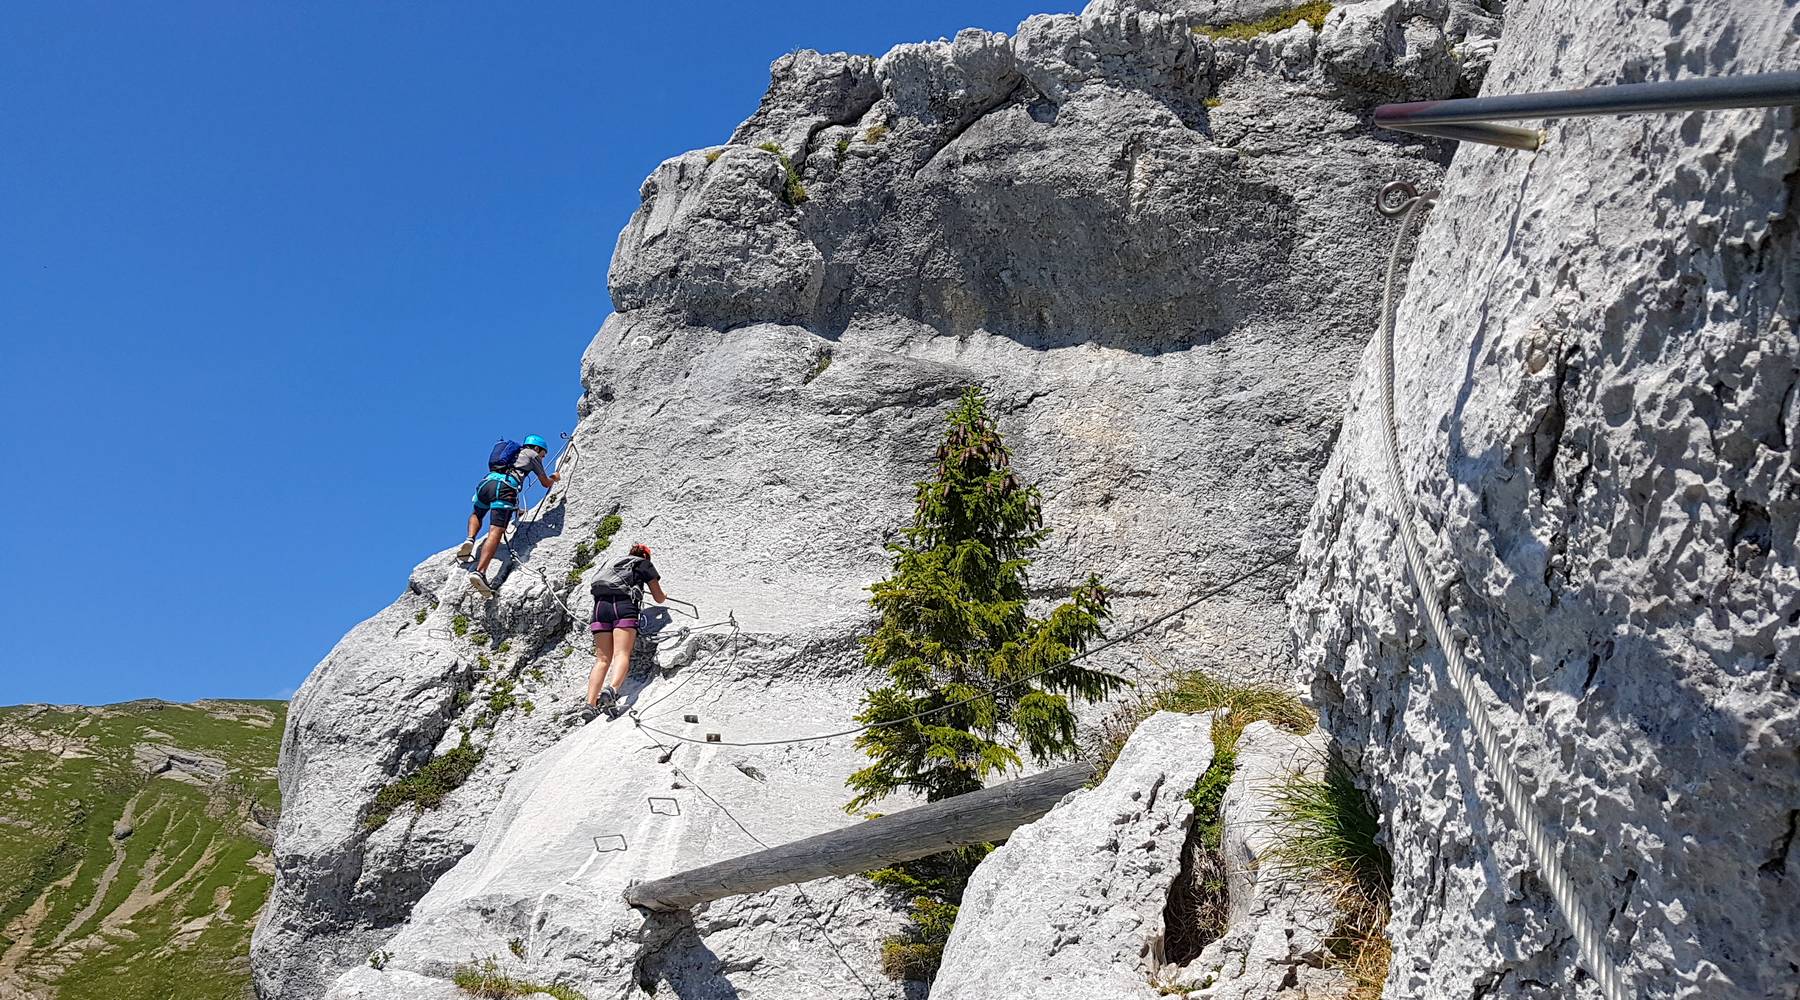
<point x="497" y="497"/>
<point x="614" y="611"/>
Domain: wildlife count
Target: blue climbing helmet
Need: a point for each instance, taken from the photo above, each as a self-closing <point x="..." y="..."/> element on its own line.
<point x="533" y="441"/>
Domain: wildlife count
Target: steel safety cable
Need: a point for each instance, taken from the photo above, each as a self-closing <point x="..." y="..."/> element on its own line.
<point x="1518" y="801"/>
<point x="1130" y="634"/>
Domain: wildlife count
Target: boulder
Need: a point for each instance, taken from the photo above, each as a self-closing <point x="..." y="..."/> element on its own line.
<point x="1072" y="904"/>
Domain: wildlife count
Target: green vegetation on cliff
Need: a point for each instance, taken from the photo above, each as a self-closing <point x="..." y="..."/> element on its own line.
<point x="133" y="857"/>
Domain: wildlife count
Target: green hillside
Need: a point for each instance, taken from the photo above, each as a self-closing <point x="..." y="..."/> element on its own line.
<point x="133" y="848"/>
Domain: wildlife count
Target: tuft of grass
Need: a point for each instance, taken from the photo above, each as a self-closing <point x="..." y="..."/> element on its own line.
<point x="484" y="979"/>
<point x="821" y="361"/>
<point x="479" y="638"/>
<point x="459" y="626"/>
<point x="712" y="155"/>
<point x="1312" y="13"/>
<point x="609" y="526"/>
<point x="482" y="663"/>
<point x="378" y="960"/>
<point x="517" y="947"/>
<point x="1329" y="834"/>
<point x="875" y="134"/>
<point x="794" y="193"/>
<point x="505" y="644"/>
<point x="1194" y="693"/>
<point x="1213" y="102"/>
<point x="425" y="788"/>
<point x="843" y="149"/>
<point x="419" y="616"/>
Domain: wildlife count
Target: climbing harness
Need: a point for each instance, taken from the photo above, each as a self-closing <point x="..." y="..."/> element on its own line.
<point x="1425" y="586"/>
<point x="714" y="738"/>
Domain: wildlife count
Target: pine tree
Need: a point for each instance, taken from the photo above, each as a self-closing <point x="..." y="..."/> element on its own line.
<point x="954" y="632"/>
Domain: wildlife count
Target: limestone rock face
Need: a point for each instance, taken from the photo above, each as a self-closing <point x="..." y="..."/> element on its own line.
<point x="1280" y="925"/>
<point x="1156" y="250"/>
<point x="1072" y="904"/>
<point x="1598" y="423"/>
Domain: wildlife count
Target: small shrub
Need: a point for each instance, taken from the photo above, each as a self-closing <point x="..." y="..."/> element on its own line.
<point x="505" y="644"/>
<point x="712" y="155"/>
<point x="527" y="707"/>
<point x="426" y="787"/>
<point x="584" y="557"/>
<point x="484" y="979"/>
<point x="460" y="625"/>
<point x="419" y="617"/>
<point x="936" y="883"/>
<point x="378" y="960"/>
<point x="517" y="947"/>
<point x="609" y="526"/>
<point x="875" y="134"/>
<point x="1213" y="102"/>
<point x="482" y="663"/>
<point x="916" y="955"/>
<point x="843" y="149"/>
<point x="478" y="638"/>
<point x="535" y="675"/>
<point x="500" y="699"/>
<point x="794" y="193"/>
<point x="1312" y="13"/>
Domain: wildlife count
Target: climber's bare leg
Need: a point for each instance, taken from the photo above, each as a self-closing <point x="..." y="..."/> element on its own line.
<point x="624" y="640"/>
<point x="602" y="658"/>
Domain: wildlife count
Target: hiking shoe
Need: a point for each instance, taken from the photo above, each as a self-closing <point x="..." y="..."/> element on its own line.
<point x="480" y="583"/>
<point x="587" y="713"/>
<point x="609" y="703"/>
<point x="466" y="551"/>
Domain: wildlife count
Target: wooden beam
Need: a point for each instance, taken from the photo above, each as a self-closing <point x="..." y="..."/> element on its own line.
<point x="976" y="818"/>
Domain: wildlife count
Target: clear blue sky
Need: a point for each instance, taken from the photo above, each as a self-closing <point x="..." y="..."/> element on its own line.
<point x="274" y="275"/>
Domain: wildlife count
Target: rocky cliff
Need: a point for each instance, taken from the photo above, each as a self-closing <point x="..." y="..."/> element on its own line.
<point x="1598" y="423"/>
<point x="1148" y="230"/>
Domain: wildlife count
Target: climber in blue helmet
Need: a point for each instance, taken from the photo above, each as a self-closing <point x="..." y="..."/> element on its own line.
<point x="498" y="497"/>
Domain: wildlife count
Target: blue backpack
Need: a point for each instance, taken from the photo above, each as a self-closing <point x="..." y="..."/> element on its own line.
<point x="501" y="458"/>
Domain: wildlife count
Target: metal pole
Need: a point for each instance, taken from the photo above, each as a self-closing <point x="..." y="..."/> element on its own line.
<point x="1469" y="119"/>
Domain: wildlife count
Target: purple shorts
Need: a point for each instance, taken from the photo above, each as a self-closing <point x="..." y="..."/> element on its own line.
<point x="609" y="615"/>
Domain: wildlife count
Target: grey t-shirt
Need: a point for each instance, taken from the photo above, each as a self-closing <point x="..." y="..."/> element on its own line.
<point x="528" y="463"/>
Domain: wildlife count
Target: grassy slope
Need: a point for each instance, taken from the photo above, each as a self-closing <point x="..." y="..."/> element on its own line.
<point x="165" y="912"/>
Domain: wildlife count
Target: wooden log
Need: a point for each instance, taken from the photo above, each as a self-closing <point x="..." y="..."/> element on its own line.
<point x="976" y="818"/>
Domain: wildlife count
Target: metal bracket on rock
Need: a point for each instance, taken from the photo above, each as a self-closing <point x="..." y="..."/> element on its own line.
<point x="610" y="843"/>
<point x="1394" y="197"/>
<point x="673" y="807"/>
